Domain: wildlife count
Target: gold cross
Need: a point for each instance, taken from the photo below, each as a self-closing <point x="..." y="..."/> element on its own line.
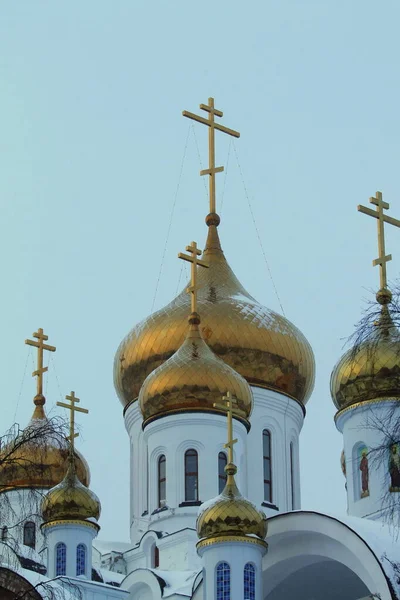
<point x="41" y="337"/>
<point x="73" y="399"/>
<point x="194" y="260"/>
<point x="229" y="407"/>
<point x="210" y="122"/>
<point x="383" y="258"/>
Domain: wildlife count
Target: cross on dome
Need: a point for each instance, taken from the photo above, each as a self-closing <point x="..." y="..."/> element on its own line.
<point x="228" y="406"/>
<point x="194" y="260"/>
<point x="212" y="125"/>
<point x="41" y="337"/>
<point x="73" y="400"/>
<point x="378" y="214"/>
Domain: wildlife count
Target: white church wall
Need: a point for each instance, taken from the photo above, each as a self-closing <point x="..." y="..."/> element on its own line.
<point x="22" y="506"/>
<point x="172" y="436"/>
<point x="176" y="552"/>
<point x="236" y="555"/>
<point x="283" y="417"/>
<point x="357" y="426"/>
<point x="70" y="533"/>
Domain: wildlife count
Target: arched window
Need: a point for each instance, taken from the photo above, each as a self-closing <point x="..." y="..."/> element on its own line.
<point x="162" y="481"/>
<point x="191" y="476"/>
<point x="61" y="559"/>
<point x="30" y="534"/>
<point x="222" y="461"/>
<point x="267" y="465"/>
<point x="156" y="557"/>
<point x="249" y="581"/>
<point x="81" y="559"/>
<point x="292" y="473"/>
<point x="223" y="581"/>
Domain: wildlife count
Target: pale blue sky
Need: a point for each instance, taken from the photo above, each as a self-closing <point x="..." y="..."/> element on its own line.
<point x="91" y="145"/>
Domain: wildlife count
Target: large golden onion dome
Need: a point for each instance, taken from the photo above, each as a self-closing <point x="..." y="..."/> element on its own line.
<point x="37" y="457"/>
<point x="70" y="500"/>
<point x="371" y="370"/>
<point x="231" y="516"/>
<point x="264" y="347"/>
<point x="193" y="379"/>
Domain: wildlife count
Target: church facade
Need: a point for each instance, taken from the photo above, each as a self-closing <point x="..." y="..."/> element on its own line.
<point x="214" y="388"/>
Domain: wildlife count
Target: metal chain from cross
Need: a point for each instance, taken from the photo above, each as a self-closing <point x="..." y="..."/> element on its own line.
<point x="193" y="258"/>
<point x="73" y="400"/>
<point x="212" y="125"/>
<point x="229" y="406"/>
<point x="41" y="337"/>
<point x="378" y="214"/>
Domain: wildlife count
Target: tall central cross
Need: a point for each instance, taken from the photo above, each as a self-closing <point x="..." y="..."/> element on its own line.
<point x="193" y="258"/>
<point x="378" y="214"/>
<point x="212" y="125"/>
<point x="73" y="400"/>
<point x="228" y="406"/>
<point x="41" y="337"/>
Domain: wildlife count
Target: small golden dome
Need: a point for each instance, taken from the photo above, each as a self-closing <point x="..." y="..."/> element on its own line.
<point x="40" y="461"/>
<point x="264" y="347"/>
<point x="193" y="379"/>
<point x="372" y="370"/>
<point x="229" y="515"/>
<point x="70" y="500"/>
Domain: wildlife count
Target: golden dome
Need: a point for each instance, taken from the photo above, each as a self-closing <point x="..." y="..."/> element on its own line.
<point x="193" y="379"/>
<point x="264" y="347"/>
<point x="229" y="515"/>
<point x="370" y="371"/>
<point x="40" y="461"/>
<point x="70" y="500"/>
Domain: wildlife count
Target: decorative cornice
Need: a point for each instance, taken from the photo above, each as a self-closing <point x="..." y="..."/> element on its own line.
<point x="192" y="411"/>
<point x="70" y="522"/>
<point x="364" y="404"/>
<point x="229" y="539"/>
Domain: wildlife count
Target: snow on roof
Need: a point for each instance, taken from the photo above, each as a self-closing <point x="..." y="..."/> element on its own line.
<point x="47" y="588"/>
<point x="105" y="547"/>
<point x="383" y="542"/>
<point x="380" y="537"/>
<point x="111" y="576"/>
<point x="176" y="582"/>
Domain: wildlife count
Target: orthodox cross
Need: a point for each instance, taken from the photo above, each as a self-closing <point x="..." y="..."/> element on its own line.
<point x="41" y="337"/>
<point x="228" y="406"/>
<point x="194" y="260"/>
<point x="73" y="400"/>
<point x="378" y="214"/>
<point x="212" y="125"/>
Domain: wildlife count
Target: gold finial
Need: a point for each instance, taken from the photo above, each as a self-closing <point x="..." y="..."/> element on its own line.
<point x="384" y="295"/>
<point x="228" y="406"/>
<point x="41" y="337"/>
<point x="194" y="260"/>
<point x="212" y="169"/>
<point x="73" y="399"/>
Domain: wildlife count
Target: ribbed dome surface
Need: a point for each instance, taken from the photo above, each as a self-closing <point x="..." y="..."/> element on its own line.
<point x="372" y="370"/>
<point x="264" y="347"/>
<point x="193" y="379"/>
<point x="40" y="461"/>
<point x="70" y="500"/>
<point x="230" y="515"/>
